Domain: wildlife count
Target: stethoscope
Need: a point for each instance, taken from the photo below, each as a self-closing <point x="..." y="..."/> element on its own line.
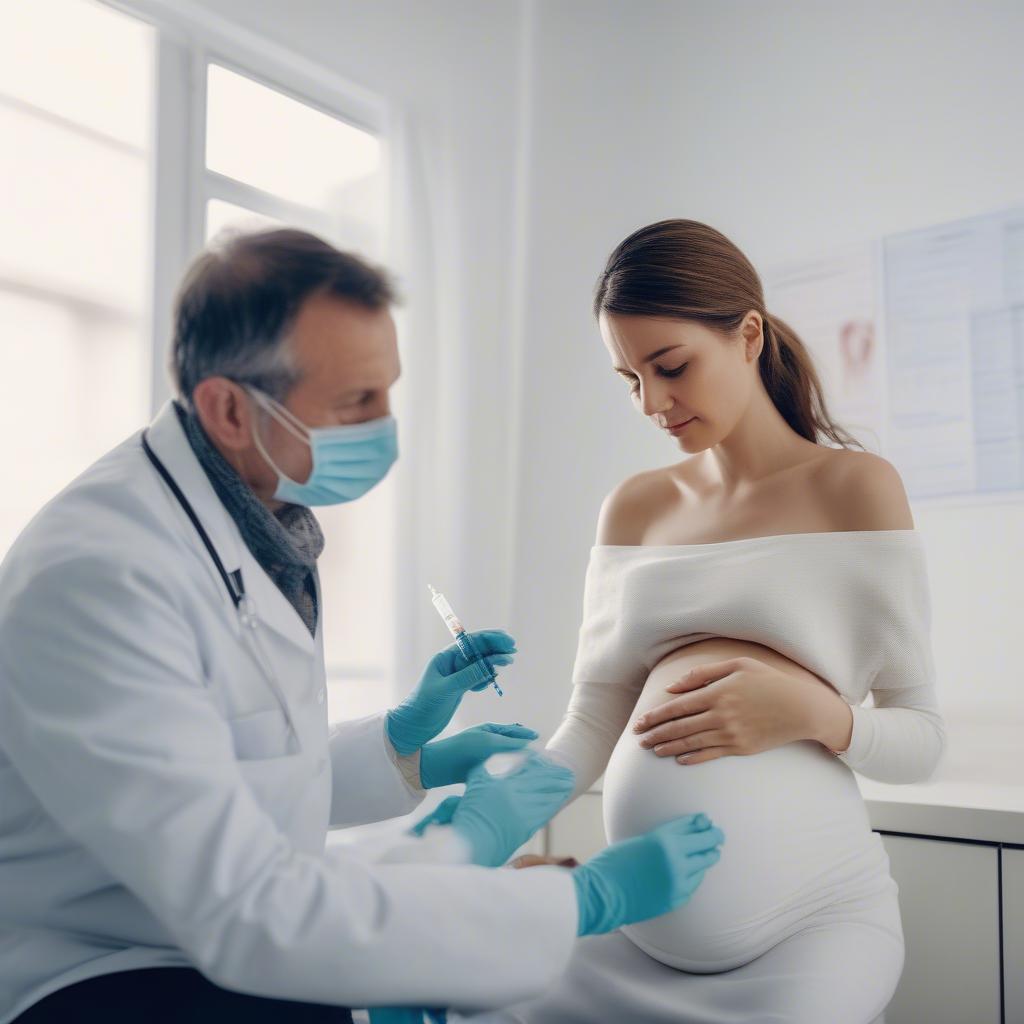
<point x="243" y="604"/>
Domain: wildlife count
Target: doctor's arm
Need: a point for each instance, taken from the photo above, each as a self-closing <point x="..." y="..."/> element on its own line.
<point x="389" y="784"/>
<point x="105" y="715"/>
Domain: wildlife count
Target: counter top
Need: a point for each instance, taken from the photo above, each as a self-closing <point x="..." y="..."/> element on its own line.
<point x="977" y="792"/>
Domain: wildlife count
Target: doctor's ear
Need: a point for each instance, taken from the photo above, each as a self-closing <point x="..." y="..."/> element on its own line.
<point x="225" y="412"/>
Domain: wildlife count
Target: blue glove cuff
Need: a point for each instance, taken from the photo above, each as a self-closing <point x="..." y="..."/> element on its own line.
<point x="429" y="778"/>
<point x="402" y="733"/>
<point x="596" y="902"/>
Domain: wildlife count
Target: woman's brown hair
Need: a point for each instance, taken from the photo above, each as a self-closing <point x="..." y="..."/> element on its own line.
<point x="685" y="270"/>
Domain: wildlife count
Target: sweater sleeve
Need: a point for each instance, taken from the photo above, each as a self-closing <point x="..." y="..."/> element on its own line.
<point x="592" y="725"/>
<point x="902" y="738"/>
<point x="608" y="676"/>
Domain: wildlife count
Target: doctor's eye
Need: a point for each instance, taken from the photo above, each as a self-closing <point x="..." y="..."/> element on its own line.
<point x="356" y="400"/>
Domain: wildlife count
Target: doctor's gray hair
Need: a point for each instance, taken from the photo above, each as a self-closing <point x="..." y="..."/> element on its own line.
<point x="239" y="299"/>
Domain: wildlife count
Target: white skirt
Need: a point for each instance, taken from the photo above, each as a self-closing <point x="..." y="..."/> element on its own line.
<point x="798" y="923"/>
<point x="841" y="967"/>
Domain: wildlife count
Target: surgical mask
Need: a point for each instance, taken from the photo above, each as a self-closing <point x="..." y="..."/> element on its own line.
<point x="347" y="461"/>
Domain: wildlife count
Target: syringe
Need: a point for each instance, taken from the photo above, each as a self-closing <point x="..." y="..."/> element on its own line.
<point x="462" y="638"/>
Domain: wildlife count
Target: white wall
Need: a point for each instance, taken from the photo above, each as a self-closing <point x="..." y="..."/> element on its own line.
<point x="548" y="131"/>
<point x="790" y="127"/>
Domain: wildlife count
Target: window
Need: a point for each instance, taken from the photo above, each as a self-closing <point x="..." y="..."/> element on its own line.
<point x="76" y="102"/>
<point x="271" y="159"/>
<point x="126" y="146"/>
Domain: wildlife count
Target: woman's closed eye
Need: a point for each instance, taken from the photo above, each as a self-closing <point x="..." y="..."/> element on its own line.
<point x="662" y="371"/>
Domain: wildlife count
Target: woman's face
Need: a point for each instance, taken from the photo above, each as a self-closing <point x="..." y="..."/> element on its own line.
<point x="691" y="381"/>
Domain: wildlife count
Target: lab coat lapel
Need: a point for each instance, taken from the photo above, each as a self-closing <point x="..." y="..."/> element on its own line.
<point x="273" y="609"/>
<point x="167" y="438"/>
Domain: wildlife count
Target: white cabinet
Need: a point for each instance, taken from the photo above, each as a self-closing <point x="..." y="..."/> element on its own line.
<point x="1013" y="934"/>
<point x="949" y="902"/>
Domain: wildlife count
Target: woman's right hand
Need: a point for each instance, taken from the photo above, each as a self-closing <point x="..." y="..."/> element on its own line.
<point x="535" y="860"/>
<point x="645" y="876"/>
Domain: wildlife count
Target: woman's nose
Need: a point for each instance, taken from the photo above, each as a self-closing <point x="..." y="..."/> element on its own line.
<point x="654" y="399"/>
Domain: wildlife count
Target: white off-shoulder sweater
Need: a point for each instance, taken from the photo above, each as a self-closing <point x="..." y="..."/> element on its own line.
<point x="852" y="606"/>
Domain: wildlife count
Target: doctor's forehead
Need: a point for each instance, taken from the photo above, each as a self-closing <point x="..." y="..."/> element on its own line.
<point x="344" y="346"/>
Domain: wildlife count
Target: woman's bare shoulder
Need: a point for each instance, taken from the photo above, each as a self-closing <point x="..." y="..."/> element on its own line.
<point x="863" y="491"/>
<point x="627" y="510"/>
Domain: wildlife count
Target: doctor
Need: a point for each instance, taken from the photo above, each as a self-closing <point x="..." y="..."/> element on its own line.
<point x="167" y="771"/>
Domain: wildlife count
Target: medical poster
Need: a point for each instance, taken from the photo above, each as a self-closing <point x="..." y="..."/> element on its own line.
<point x="953" y="304"/>
<point x="919" y="341"/>
<point x="832" y="305"/>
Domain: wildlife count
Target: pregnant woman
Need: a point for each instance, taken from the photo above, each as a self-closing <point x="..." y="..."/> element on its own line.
<point x="739" y="607"/>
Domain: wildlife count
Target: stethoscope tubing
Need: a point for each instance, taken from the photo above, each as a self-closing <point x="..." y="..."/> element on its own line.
<point x="233" y="583"/>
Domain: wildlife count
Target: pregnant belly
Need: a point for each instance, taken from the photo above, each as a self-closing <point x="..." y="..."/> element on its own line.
<point x="797" y="835"/>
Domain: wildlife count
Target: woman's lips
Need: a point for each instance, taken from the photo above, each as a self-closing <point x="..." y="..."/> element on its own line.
<point x="680" y="427"/>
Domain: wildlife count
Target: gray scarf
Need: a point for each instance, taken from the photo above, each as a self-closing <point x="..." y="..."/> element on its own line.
<point x="286" y="543"/>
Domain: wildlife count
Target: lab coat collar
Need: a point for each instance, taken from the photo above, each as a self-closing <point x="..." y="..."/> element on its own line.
<point x="167" y="438"/>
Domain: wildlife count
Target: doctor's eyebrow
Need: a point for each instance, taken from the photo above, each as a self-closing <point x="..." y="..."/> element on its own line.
<point x="363" y="393"/>
<point x="647" y="359"/>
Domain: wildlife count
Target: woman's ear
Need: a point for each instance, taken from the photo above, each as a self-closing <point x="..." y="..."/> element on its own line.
<point x="753" y="336"/>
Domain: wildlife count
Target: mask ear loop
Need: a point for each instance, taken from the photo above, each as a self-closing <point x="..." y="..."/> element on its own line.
<point x="281" y="413"/>
<point x="286" y="418"/>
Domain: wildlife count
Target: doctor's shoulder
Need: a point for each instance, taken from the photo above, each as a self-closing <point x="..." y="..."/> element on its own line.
<point x="104" y="520"/>
<point x="862" y="491"/>
<point x="628" y="510"/>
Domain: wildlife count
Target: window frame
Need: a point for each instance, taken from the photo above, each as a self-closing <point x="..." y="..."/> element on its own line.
<point x="188" y="39"/>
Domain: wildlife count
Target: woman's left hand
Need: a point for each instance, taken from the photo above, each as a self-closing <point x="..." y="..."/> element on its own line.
<point x="734" y="707"/>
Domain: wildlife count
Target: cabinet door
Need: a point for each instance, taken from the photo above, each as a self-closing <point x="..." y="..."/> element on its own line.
<point x="949" y="903"/>
<point x="578" y="831"/>
<point x="1013" y="934"/>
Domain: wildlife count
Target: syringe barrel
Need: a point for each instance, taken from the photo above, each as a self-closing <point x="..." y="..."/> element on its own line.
<point x="470" y="652"/>
<point x="450" y="618"/>
<point x="465" y="643"/>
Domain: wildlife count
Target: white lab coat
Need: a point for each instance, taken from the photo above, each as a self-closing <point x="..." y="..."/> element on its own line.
<point x="154" y="809"/>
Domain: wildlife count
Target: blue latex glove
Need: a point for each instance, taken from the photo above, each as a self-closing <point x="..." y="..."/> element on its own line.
<point x="645" y="876"/>
<point x="447" y="761"/>
<point x="406" y="1015"/>
<point x="498" y="813"/>
<point x="430" y="707"/>
<point x="440" y="815"/>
